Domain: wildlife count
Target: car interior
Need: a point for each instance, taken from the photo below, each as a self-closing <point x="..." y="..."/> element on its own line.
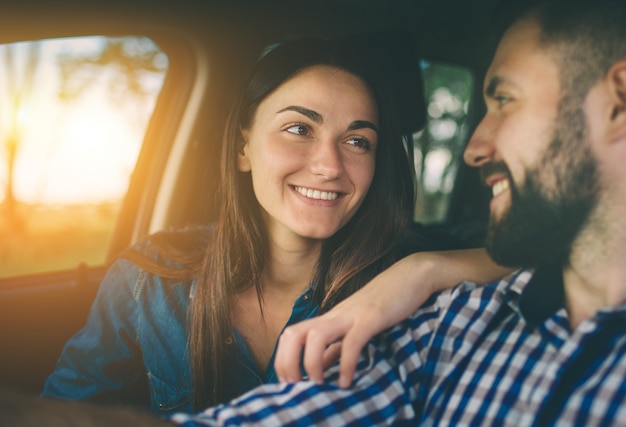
<point x="191" y="56"/>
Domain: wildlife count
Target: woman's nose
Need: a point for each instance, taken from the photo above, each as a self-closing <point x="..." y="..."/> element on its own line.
<point x="326" y="159"/>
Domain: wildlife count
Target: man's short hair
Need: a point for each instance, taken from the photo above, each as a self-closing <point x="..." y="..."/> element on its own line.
<point x="586" y="37"/>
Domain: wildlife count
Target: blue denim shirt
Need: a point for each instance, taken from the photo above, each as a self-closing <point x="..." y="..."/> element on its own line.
<point x="133" y="348"/>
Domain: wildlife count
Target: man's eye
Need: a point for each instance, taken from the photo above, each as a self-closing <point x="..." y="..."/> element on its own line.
<point x="502" y="99"/>
<point x="298" y="129"/>
<point x="361" y="143"/>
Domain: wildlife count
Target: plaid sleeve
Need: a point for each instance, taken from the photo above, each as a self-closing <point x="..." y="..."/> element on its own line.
<point x="375" y="399"/>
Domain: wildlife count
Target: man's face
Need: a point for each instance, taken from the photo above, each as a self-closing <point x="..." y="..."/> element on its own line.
<point x="532" y="151"/>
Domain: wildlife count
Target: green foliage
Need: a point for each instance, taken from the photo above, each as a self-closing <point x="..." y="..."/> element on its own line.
<point x="439" y="147"/>
<point x="123" y="62"/>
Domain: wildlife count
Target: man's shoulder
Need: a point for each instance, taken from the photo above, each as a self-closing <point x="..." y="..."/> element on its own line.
<point x="468" y="298"/>
<point x="453" y="316"/>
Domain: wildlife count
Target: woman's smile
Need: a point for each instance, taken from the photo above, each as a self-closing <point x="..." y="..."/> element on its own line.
<point x="310" y="193"/>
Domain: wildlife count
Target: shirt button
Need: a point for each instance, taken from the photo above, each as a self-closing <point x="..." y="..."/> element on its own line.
<point x="306" y="297"/>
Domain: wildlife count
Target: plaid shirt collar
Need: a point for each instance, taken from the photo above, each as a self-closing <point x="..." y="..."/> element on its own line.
<point x="536" y="294"/>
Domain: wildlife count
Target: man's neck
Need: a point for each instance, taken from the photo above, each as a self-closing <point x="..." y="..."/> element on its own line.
<point x="596" y="275"/>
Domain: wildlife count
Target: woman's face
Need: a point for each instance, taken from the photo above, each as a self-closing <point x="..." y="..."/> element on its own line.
<point x="311" y="152"/>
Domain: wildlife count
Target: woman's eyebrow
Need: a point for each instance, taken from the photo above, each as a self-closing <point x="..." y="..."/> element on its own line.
<point x="317" y="118"/>
<point x="360" y="124"/>
<point x="313" y="115"/>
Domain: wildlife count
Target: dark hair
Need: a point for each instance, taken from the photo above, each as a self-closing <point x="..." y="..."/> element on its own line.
<point x="234" y="256"/>
<point x="586" y="38"/>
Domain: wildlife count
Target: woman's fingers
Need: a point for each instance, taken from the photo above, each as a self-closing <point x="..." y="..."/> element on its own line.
<point x="351" y="348"/>
<point x="315" y="346"/>
<point x="331" y="354"/>
<point x="319" y="342"/>
<point x="306" y="342"/>
<point x="289" y="352"/>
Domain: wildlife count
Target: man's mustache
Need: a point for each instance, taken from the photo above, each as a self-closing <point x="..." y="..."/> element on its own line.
<point x="492" y="168"/>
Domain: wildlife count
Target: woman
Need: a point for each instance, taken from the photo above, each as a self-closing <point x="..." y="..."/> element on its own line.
<point x="317" y="189"/>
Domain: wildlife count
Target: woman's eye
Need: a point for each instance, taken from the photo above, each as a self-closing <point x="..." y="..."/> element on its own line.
<point x="298" y="130"/>
<point x="361" y="143"/>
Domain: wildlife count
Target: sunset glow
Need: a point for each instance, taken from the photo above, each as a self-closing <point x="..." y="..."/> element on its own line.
<point x="72" y="120"/>
<point x="90" y="157"/>
<point x="71" y="151"/>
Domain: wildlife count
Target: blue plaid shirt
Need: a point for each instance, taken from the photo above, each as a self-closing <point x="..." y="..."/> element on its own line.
<point x="502" y="354"/>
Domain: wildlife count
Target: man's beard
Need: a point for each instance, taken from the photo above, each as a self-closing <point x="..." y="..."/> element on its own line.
<point x="555" y="201"/>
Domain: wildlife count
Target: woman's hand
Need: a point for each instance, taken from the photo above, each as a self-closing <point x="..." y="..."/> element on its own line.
<point x="346" y="328"/>
<point x="386" y="300"/>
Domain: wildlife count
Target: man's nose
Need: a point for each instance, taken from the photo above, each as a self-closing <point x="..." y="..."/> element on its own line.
<point x="480" y="149"/>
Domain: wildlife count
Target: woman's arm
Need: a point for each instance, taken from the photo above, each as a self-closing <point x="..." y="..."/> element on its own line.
<point x="102" y="361"/>
<point x="386" y="300"/>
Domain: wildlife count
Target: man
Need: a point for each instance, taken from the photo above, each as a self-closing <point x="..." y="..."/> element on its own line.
<point x="546" y="345"/>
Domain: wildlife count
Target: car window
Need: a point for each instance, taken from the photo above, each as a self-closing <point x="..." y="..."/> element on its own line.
<point x="438" y="148"/>
<point x="73" y="113"/>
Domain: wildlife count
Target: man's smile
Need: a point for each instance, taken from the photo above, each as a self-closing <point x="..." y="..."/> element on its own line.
<point x="499" y="187"/>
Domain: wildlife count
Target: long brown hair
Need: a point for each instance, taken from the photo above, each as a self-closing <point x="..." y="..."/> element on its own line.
<point x="234" y="255"/>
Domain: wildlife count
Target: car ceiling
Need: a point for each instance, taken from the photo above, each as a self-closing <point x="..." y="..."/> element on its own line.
<point x="445" y="30"/>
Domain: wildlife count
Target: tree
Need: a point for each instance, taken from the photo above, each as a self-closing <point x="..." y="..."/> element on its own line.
<point x="129" y="60"/>
<point x="20" y="71"/>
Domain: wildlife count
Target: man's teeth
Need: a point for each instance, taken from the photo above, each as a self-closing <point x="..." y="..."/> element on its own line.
<point x="316" y="194"/>
<point x="499" y="187"/>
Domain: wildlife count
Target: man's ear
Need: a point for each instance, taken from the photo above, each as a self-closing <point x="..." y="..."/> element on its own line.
<point x="616" y="80"/>
<point x="243" y="161"/>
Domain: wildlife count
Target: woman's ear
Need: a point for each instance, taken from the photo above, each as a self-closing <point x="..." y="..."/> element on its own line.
<point x="243" y="161"/>
<point x="616" y="80"/>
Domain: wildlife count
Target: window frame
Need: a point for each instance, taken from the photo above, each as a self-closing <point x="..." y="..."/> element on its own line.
<point x="169" y="128"/>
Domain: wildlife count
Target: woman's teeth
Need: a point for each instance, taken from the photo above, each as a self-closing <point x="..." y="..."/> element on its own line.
<point x="316" y="194"/>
